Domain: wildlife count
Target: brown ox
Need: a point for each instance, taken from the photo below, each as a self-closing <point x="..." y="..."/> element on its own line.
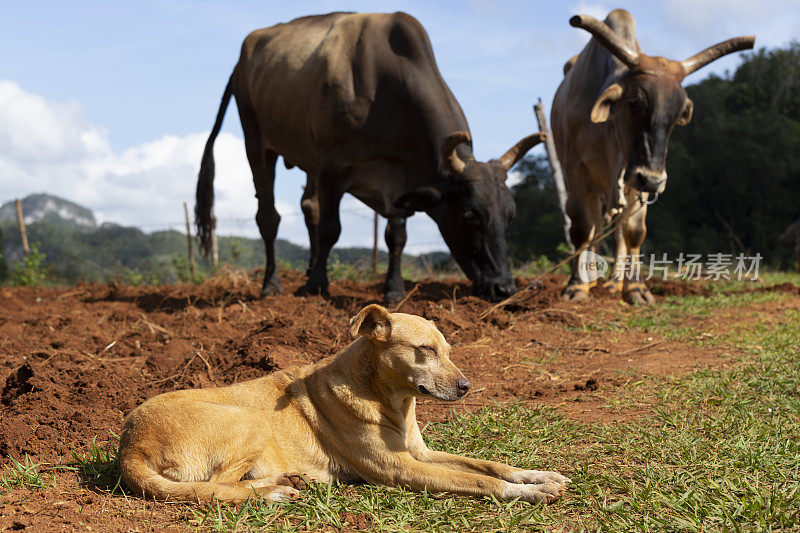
<point x="611" y="119"/>
<point x="357" y="102"/>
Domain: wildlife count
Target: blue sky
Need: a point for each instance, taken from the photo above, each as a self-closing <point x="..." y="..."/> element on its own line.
<point x="108" y="103"/>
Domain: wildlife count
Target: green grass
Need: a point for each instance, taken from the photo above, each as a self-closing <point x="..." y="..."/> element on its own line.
<point x="677" y="317"/>
<point x="24" y="474"/>
<point x="98" y="467"/>
<point x="777" y="277"/>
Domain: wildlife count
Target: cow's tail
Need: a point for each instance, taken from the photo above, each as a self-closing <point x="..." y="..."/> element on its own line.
<point x="205" y="179"/>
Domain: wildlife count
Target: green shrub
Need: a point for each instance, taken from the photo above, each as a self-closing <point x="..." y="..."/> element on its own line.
<point x="32" y="272"/>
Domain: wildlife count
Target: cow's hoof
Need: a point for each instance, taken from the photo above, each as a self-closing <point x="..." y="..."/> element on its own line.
<point x="272" y="288"/>
<point x="311" y="289"/>
<point x="394" y="295"/>
<point x="613" y="286"/>
<point x="575" y="292"/>
<point x="639" y="296"/>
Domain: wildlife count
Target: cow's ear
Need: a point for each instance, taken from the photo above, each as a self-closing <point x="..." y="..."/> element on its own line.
<point x="420" y="199"/>
<point x="373" y="322"/>
<point x="603" y="106"/>
<point x="686" y="114"/>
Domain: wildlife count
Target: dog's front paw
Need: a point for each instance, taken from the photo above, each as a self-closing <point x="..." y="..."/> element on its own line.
<point x="542" y="493"/>
<point x="538" y="477"/>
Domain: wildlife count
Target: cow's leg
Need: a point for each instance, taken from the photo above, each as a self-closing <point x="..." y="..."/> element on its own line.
<point x="310" y="206"/>
<point x="582" y="212"/>
<point x="395" y="240"/>
<point x="330" y="190"/>
<point x="615" y="281"/>
<point x="267" y="218"/>
<point x="262" y="163"/>
<point x="634" y="230"/>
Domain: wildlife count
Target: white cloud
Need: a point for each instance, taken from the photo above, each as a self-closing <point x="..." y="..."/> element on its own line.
<point x="37" y="131"/>
<point x="51" y="147"/>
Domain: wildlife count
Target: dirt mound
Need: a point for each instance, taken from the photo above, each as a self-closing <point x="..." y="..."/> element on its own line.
<point x="786" y="288"/>
<point x="57" y="405"/>
<point x="674" y="288"/>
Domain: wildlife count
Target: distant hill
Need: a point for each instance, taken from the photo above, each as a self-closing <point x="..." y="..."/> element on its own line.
<point x="78" y="249"/>
<point x="51" y="209"/>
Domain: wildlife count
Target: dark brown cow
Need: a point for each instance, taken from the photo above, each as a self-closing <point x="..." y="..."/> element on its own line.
<point x="611" y="119"/>
<point x="358" y="103"/>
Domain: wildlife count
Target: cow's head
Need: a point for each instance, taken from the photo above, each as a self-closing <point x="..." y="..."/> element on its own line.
<point x="647" y="101"/>
<point x="473" y="208"/>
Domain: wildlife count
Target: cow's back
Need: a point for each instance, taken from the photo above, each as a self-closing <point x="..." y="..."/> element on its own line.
<point x="321" y="83"/>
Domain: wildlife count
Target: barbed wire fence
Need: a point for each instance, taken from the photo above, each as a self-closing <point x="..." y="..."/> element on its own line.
<point x="241" y="222"/>
<point x="363" y="213"/>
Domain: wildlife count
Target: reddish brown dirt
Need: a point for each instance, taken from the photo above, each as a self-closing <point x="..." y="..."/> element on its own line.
<point x="75" y="361"/>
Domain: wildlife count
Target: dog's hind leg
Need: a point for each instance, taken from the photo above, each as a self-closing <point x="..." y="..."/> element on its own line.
<point x="145" y="481"/>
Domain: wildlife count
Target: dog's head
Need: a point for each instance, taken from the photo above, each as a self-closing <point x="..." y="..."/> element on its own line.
<point x="410" y="355"/>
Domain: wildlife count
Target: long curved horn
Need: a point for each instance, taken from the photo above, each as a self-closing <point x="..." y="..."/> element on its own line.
<point x="712" y="53"/>
<point x="607" y="38"/>
<point x="516" y="152"/>
<point x="454" y="163"/>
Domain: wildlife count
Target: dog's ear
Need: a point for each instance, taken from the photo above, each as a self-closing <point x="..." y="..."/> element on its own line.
<point x="373" y="322"/>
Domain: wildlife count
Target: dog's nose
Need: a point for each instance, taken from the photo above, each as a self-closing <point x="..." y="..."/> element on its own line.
<point x="463" y="385"/>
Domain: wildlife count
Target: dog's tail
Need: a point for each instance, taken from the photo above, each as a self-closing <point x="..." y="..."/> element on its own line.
<point x="146" y="482"/>
<point x="205" y="178"/>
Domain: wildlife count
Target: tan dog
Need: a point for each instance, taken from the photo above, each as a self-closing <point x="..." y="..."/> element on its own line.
<point x="349" y="417"/>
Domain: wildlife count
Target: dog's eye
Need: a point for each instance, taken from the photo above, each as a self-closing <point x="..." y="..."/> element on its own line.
<point x="430" y="349"/>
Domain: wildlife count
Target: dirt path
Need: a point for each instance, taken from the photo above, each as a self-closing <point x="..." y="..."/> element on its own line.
<point x="75" y="361"/>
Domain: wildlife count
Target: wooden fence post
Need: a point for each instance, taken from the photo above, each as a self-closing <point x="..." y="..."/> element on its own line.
<point x="375" y="246"/>
<point x="555" y="168"/>
<point x="23" y="235"/>
<point x="189" y="239"/>
<point x="214" y="243"/>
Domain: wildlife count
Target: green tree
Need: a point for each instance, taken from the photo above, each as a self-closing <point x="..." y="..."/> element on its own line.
<point x="536" y="229"/>
<point x="734" y="171"/>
